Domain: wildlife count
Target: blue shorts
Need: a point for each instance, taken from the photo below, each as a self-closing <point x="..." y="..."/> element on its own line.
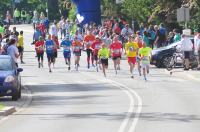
<point x="50" y="57"/>
<point x="67" y="54"/>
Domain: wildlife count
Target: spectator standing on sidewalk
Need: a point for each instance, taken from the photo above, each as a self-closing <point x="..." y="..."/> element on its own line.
<point x="17" y="16"/>
<point x="13" y="51"/>
<point x="170" y="38"/>
<point x="161" y="35"/>
<point x="177" y="36"/>
<point x="186" y="47"/>
<point x="197" y="48"/>
<point x="8" y="17"/>
<point x="23" y="16"/>
<point x="152" y="36"/>
<point x="20" y="46"/>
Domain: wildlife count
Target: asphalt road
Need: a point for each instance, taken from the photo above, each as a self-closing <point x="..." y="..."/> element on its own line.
<point x="86" y="101"/>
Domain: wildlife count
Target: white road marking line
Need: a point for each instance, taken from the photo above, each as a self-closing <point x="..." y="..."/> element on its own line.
<point x="139" y="107"/>
<point x="130" y="92"/>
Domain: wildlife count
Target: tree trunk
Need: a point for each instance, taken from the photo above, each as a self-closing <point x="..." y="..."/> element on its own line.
<point x="53" y="9"/>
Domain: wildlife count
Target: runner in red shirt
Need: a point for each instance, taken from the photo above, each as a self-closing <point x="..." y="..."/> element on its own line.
<point x="39" y="48"/>
<point x="56" y="47"/>
<point x="88" y="40"/>
<point x="96" y="46"/>
<point x="116" y="52"/>
<point x="41" y="27"/>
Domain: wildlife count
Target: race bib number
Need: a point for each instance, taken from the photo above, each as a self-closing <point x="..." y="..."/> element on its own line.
<point x="66" y="48"/>
<point x="145" y="59"/>
<point x="50" y="47"/>
<point x="131" y="49"/>
<point x="97" y="47"/>
<point x="76" y="48"/>
<point x="116" y="51"/>
<point x="88" y="43"/>
<point x="40" y="48"/>
<point x="103" y="57"/>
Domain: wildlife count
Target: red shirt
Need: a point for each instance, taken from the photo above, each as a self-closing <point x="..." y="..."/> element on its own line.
<point x="57" y="44"/>
<point x="89" y="39"/>
<point x="76" y="45"/>
<point x="39" y="46"/>
<point x="139" y="42"/>
<point x="96" y="46"/>
<point x="116" y="48"/>
<point x="41" y="28"/>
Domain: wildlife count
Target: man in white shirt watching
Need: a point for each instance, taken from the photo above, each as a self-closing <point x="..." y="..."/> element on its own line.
<point x="186" y="47"/>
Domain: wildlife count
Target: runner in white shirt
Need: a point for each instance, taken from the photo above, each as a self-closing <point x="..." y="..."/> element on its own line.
<point x="54" y="30"/>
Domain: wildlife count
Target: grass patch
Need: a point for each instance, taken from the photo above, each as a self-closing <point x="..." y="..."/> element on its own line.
<point x="1" y="106"/>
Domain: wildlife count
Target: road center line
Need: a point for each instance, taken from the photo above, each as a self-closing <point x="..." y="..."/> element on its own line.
<point x="130" y="92"/>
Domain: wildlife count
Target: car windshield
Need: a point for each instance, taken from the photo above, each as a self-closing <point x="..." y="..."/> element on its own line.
<point x="5" y="65"/>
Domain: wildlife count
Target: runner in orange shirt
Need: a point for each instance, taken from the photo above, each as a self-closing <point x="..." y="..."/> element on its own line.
<point x="76" y="47"/>
<point x="88" y="40"/>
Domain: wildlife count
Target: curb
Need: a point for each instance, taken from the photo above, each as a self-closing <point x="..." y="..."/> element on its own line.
<point x="10" y="110"/>
<point x="7" y="111"/>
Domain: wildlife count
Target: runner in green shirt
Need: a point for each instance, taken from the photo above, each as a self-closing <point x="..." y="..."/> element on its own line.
<point x="145" y="53"/>
<point x="104" y="54"/>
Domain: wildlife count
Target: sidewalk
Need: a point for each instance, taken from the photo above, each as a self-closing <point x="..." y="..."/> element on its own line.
<point x="8" y="103"/>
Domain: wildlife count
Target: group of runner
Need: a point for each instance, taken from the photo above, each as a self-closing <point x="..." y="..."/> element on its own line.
<point x="99" y="45"/>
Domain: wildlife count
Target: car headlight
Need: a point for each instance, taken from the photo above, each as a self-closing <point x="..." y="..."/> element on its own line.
<point x="9" y="79"/>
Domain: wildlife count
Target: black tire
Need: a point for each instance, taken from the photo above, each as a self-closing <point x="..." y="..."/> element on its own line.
<point x="169" y="63"/>
<point x="159" y="65"/>
<point x="15" y="96"/>
<point x="20" y="89"/>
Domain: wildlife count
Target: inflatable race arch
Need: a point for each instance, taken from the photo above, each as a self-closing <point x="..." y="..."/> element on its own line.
<point x="89" y="10"/>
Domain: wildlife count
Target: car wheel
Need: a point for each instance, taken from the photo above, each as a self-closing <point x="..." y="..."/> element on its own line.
<point x="20" y="89"/>
<point x="158" y="65"/>
<point x="19" y="92"/>
<point x="15" y="96"/>
<point x="163" y="61"/>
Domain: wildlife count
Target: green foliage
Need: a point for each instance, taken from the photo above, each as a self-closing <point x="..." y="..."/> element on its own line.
<point x="72" y="13"/>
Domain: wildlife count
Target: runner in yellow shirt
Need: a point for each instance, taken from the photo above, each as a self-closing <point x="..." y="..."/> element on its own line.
<point x="20" y="46"/>
<point x="145" y="54"/>
<point x="131" y="49"/>
<point x="104" y="54"/>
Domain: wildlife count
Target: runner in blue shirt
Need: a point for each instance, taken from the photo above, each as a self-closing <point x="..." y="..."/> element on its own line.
<point x="66" y="44"/>
<point x="49" y="44"/>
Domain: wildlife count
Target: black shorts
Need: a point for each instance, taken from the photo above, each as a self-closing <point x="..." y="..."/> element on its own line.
<point x="55" y="54"/>
<point x="186" y="54"/>
<point x="20" y="49"/>
<point x="77" y="53"/>
<point x="116" y="57"/>
<point x="96" y="57"/>
<point x="40" y="55"/>
<point x="104" y="62"/>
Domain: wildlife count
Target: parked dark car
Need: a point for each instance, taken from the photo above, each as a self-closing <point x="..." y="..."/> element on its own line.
<point x="159" y="54"/>
<point x="10" y="80"/>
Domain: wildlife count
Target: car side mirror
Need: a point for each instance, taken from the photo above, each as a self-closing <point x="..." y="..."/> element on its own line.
<point x="19" y="70"/>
